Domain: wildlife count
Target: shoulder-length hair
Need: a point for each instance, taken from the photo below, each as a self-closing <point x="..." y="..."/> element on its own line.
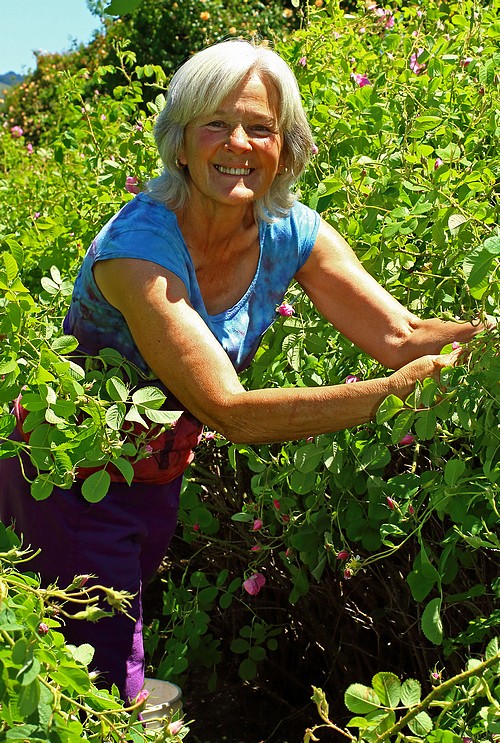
<point x="198" y="88"/>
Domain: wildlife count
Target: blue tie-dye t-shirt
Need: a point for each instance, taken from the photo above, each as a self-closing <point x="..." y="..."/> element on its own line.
<point x="145" y="229"/>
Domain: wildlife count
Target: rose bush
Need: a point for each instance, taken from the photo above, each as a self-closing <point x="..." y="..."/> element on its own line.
<point x="384" y="535"/>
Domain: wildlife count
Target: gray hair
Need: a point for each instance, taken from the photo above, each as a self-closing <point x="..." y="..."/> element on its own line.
<point x="198" y="88"/>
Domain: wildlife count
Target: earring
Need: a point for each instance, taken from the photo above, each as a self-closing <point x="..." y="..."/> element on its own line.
<point x="178" y="164"/>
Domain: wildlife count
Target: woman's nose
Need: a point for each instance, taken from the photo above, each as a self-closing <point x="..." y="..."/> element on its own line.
<point x="238" y="139"/>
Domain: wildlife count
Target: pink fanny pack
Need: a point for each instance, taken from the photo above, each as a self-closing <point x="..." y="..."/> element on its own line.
<point x="171" y="452"/>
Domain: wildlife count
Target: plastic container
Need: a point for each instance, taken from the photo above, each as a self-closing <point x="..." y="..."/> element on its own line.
<point x="164" y="699"/>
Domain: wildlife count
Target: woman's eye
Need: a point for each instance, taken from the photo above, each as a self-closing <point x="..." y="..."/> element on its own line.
<point x="216" y="124"/>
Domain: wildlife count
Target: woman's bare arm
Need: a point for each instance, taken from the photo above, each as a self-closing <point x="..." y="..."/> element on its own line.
<point x="181" y="350"/>
<point x="362" y="310"/>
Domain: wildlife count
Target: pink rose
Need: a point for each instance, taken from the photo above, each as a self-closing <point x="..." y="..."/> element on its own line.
<point x="257" y="524"/>
<point x="415" y="65"/>
<point x="175" y="727"/>
<point x="141" y="697"/>
<point x="361" y="80"/>
<point x="253" y="584"/>
<point x="131" y="184"/>
<point x="351" y="378"/>
<point x="437" y="163"/>
<point x="407" y="439"/>
<point x="342" y="555"/>
<point x="16" y="131"/>
<point x="285" y="310"/>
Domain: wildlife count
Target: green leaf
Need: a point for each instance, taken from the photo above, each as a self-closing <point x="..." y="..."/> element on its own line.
<point x="115" y="416"/>
<point x="431" y="623"/>
<point x="248" y="669"/>
<point x="361" y="699"/>
<point x="425" y="424"/>
<point x="389" y="408"/>
<point x="163" y="417"/>
<point x="149" y="397"/>
<point x="64" y="344"/>
<point x="455" y="221"/>
<point x="402" y="425"/>
<point x="96" y="486"/>
<point x="134" y="416"/>
<point x="7" y="425"/>
<point x="244" y="517"/>
<point x="240" y="646"/>
<point x="225" y="601"/>
<point x="388" y="688"/>
<point x="492" y="651"/>
<point x="72" y="677"/>
<point x="11" y="267"/>
<point x="28" y="673"/>
<point x="375" y="456"/>
<point x="411" y="691"/>
<point x="125" y="468"/>
<point x="307" y="457"/>
<point x="19" y="651"/>
<point x="83" y="653"/>
<point x="257" y="653"/>
<point x="421" y="725"/>
<point x="41" y="487"/>
<point x="453" y="471"/>
<point x="116" y="389"/>
<point x="476" y="265"/>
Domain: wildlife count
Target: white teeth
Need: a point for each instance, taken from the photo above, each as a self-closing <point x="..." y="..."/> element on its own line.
<point x="233" y="171"/>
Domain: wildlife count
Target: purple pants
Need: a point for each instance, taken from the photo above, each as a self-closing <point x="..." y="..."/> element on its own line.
<point x="121" y="540"/>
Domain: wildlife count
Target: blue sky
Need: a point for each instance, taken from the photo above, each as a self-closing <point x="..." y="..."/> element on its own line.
<point x="50" y="25"/>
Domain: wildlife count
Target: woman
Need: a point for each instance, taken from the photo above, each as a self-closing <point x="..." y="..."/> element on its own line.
<point x="184" y="281"/>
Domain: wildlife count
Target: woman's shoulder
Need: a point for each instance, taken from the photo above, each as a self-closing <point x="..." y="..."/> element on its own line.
<point x="300" y="220"/>
<point x="143" y="229"/>
<point x="142" y="213"/>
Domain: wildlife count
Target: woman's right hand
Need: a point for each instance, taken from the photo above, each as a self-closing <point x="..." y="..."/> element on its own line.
<point x="422" y="368"/>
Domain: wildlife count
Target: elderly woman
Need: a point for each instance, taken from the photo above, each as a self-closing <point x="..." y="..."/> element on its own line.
<point x="184" y="281"/>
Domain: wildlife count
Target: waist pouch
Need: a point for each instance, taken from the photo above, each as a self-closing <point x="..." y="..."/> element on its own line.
<point x="171" y="451"/>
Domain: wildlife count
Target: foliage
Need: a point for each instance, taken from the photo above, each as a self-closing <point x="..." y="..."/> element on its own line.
<point x="157" y="34"/>
<point x="385" y="532"/>
<point x="46" y="690"/>
<point x="468" y="706"/>
<point x="165" y="33"/>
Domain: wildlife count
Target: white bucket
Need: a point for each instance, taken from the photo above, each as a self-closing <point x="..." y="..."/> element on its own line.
<point x="164" y="699"/>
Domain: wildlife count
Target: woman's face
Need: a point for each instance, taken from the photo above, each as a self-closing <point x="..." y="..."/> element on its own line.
<point x="234" y="154"/>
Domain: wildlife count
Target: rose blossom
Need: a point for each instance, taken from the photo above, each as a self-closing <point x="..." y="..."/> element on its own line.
<point x="253" y="584"/>
<point x="131" y="184"/>
<point x="361" y="80"/>
<point x="285" y="310"/>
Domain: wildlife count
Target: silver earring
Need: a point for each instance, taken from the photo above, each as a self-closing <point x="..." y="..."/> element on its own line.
<point x="178" y="164"/>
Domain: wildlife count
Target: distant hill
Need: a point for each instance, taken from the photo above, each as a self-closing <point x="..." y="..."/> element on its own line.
<point x="10" y="78"/>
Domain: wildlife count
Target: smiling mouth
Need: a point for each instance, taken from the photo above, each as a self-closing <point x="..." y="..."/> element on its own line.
<point x="233" y="171"/>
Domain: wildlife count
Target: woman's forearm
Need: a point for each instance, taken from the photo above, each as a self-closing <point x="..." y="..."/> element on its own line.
<point x="287" y="414"/>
